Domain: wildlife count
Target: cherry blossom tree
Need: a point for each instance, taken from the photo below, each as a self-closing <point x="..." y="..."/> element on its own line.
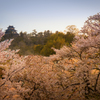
<point x="10" y="63"/>
<point x="86" y="50"/>
<point x="72" y="73"/>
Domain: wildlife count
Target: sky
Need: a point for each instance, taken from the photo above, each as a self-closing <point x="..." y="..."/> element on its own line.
<point x="53" y="15"/>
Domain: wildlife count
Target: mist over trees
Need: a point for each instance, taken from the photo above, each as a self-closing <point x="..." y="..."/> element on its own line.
<point x="71" y="73"/>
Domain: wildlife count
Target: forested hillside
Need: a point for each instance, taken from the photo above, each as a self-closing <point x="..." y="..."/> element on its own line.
<point x="39" y="43"/>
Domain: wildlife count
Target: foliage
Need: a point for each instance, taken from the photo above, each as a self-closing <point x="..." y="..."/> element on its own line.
<point x="38" y="48"/>
<point x="69" y="37"/>
<point x="26" y="42"/>
<point x="57" y="40"/>
<point x="39" y="43"/>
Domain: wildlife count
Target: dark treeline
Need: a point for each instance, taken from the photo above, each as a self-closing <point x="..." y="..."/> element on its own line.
<point x="39" y="43"/>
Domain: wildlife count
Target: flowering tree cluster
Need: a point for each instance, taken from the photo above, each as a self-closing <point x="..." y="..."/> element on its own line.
<point x="86" y="50"/>
<point x="72" y="73"/>
<point x="10" y="64"/>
